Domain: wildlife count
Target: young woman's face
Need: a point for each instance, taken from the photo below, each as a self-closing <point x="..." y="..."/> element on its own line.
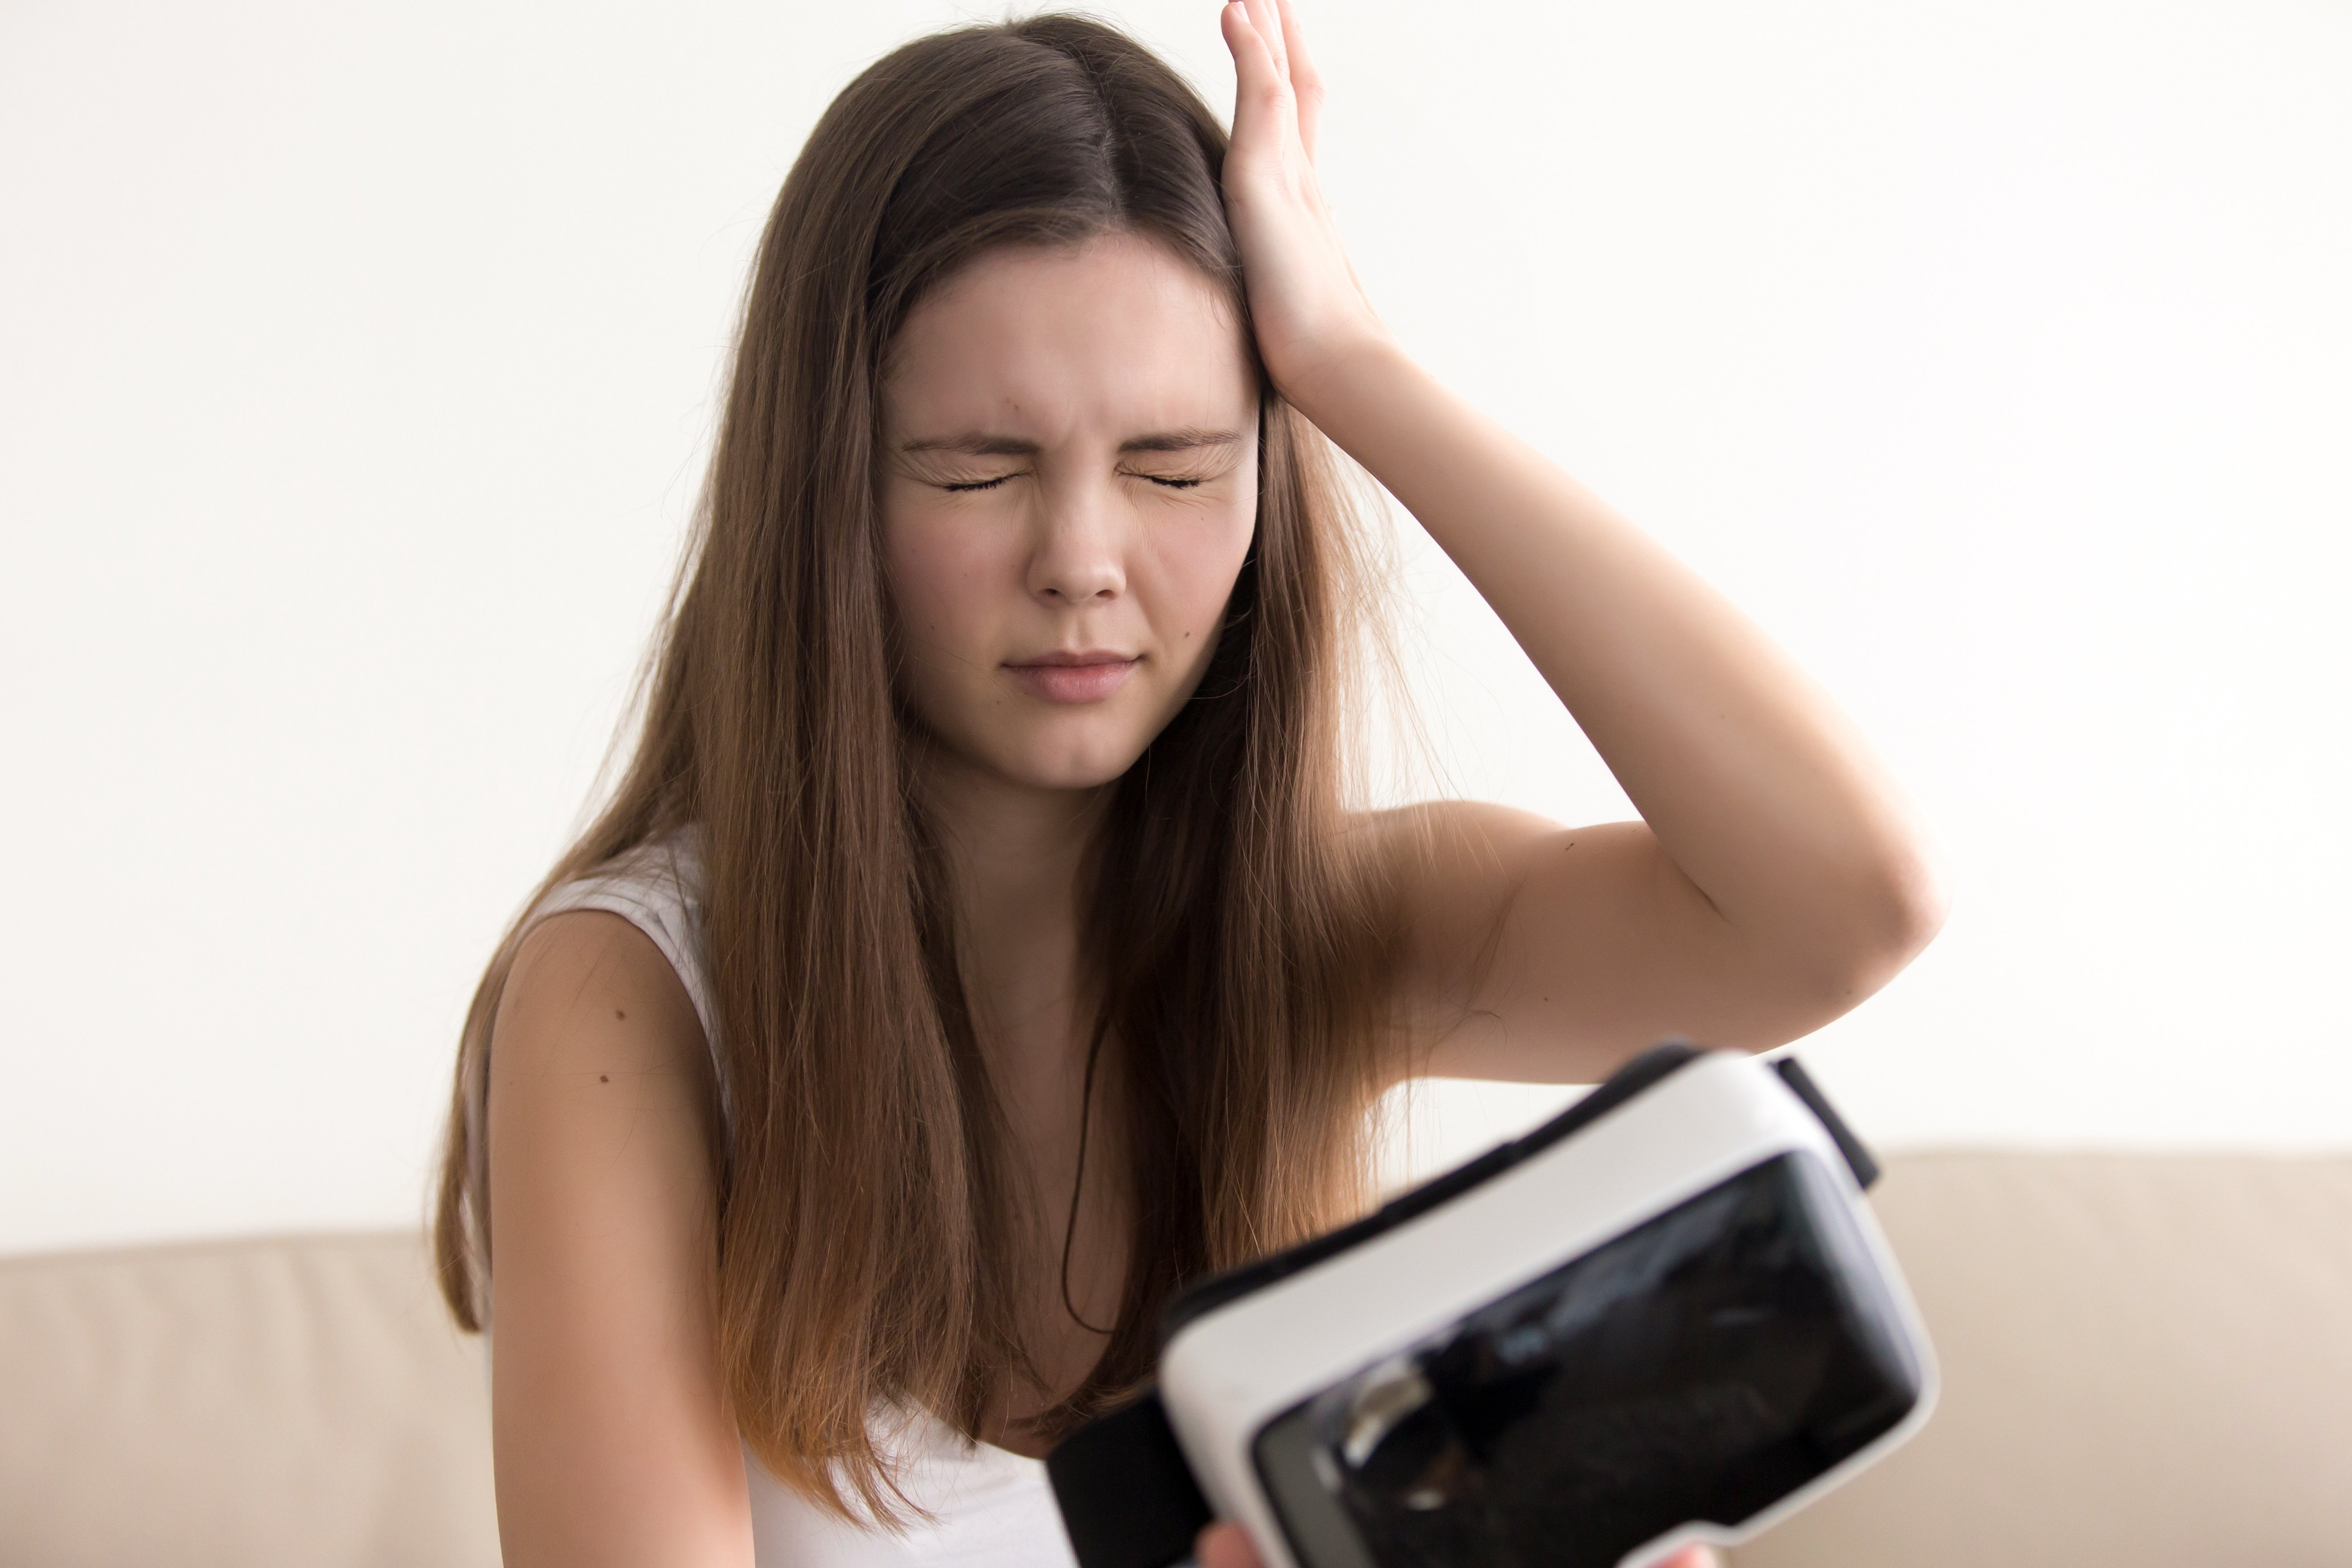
<point x="1069" y="484"/>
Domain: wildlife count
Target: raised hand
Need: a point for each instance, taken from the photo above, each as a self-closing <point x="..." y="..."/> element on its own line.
<point x="1309" y="311"/>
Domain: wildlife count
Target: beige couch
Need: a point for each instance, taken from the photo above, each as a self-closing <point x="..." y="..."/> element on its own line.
<point x="2147" y="1362"/>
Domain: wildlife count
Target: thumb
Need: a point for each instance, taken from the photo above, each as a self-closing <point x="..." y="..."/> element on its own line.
<point x="1228" y="1546"/>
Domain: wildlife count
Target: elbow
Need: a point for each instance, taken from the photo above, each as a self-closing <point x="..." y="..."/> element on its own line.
<point x="1915" y="899"/>
<point x="1897" y="907"/>
<point x="1856" y="930"/>
<point x="1848" y="926"/>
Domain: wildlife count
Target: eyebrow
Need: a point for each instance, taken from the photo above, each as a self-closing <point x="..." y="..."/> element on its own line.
<point x="980" y="444"/>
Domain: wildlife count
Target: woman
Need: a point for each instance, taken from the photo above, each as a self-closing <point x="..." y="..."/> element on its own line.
<point x="978" y="947"/>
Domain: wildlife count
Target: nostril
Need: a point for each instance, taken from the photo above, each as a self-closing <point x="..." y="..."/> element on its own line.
<point x="1080" y="594"/>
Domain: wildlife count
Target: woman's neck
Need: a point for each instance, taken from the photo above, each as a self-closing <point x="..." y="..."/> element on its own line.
<point x="1016" y="856"/>
<point x="1018" y="859"/>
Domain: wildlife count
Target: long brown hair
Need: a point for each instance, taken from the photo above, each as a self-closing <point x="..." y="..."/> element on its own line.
<point x="1238" y="934"/>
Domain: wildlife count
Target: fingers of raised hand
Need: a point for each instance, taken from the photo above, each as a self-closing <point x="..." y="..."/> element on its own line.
<point x="1289" y="85"/>
<point x="1254" y="67"/>
<point x="1266" y="15"/>
<point x="1263" y="87"/>
<point x="1306" y="82"/>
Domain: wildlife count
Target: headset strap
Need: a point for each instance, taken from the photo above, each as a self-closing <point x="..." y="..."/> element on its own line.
<point x="1857" y="1157"/>
<point x="1129" y="1499"/>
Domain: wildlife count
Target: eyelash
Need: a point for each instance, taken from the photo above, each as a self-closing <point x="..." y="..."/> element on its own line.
<point x="968" y="486"/>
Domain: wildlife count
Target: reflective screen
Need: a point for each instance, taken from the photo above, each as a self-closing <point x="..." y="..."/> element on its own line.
<point x="1700" y="1367"/>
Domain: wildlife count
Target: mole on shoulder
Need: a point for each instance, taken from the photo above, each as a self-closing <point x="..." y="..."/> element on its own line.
<point x="603" y="1078"/>
<point x="618" y="1013"/>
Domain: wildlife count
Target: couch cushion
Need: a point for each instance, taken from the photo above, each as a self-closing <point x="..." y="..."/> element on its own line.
<point x="2146" y="1361"/>
<point x="290" y="1401"/>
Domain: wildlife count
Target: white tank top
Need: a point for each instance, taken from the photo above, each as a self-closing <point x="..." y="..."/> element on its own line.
<point x="992" y="1508"/>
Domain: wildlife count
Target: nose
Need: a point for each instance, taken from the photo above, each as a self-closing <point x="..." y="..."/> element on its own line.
<point x="1079" y="558"/>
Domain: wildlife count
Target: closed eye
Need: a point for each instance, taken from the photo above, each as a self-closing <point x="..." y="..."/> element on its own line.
<point x="1165" y="482"/>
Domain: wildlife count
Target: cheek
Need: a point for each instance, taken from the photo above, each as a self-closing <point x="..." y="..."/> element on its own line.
<point x="938" y="573"/>
<point x="1196" y="567"/>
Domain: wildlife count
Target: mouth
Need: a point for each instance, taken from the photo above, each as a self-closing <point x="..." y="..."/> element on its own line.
<point x="1086" y="675"/>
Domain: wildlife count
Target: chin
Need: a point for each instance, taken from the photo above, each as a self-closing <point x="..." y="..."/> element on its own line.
<point x="1071" y="773"/>
<point x="1062" y="751"/>
<point x="1072" y="763"/>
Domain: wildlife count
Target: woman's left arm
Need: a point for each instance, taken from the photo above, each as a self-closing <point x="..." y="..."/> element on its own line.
<point x="1777" y="877"/>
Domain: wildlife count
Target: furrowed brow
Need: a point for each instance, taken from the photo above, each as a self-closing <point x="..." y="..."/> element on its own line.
<point x="975" y="444"/>
<point x="1186" y="440"/>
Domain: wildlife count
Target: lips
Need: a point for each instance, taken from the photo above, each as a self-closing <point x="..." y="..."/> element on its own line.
<point x="1087" y="675"/>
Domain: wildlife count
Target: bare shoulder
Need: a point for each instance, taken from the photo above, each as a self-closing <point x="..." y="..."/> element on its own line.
<point x="590" y="993"/>
<point x="598" y="1080"/>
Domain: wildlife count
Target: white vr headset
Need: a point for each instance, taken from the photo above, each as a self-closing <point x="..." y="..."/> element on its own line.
<point x="1666" y="1316"/>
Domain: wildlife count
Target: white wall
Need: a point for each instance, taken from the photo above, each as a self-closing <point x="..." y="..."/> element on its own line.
<point x="356" y="365"/>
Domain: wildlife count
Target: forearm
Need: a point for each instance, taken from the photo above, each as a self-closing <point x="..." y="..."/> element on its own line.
<point x="1756" y="789"/>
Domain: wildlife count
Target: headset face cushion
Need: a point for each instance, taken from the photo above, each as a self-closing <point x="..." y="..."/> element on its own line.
<point x="1701" y="1366"/>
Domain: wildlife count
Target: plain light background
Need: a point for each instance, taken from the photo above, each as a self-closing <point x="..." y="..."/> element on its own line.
<point x="357" y="366"/>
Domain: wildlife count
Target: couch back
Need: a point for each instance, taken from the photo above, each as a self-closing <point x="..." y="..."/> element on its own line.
<point x="262" y="1404"/>
<point x="2147" y="1361"/>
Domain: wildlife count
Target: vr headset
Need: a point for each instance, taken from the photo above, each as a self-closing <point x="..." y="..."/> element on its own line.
<point x="1665" y="1316"/>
